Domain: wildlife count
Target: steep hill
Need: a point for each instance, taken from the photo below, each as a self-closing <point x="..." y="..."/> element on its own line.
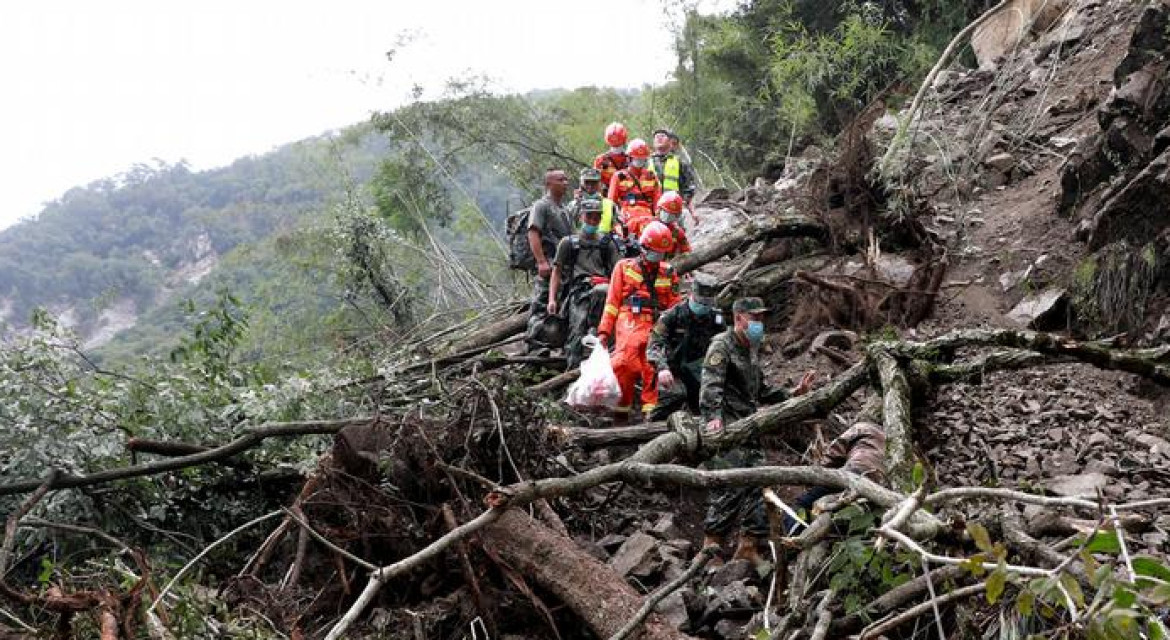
<point x="105" y="254"/>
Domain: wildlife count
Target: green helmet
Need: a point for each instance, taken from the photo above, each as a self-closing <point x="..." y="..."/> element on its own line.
<point x="589" y="205"/>
<point x="705" y="286"/>
<point x="748" y="305"/>
<point x="589" y="174"/>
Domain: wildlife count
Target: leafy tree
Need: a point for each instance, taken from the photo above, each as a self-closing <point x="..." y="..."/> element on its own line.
<point x="775" y="71"/>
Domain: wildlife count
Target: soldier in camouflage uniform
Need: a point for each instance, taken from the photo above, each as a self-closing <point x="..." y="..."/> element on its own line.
<point x="733" y="387"/>
<point x="678" y="345"/>
<point x="861" y="449"/>
<point x="580" y="278"/>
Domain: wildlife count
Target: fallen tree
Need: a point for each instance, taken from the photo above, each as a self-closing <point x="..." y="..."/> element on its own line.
<point x="775" y="226"/>
<point x="893" y="368"/>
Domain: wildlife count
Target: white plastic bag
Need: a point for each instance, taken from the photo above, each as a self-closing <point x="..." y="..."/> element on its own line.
<point x="598" y="386"/>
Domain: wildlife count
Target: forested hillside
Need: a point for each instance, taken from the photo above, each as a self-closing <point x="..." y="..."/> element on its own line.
<point x="142" y="238"/>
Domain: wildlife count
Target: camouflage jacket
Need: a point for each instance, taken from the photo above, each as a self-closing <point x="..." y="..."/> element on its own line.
<point x="733" y="382"/>
<point x="861" y="449"/>
<point x="681" y="337"/>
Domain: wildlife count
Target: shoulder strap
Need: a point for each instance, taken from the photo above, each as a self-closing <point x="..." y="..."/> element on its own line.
<point x="650" y="285"/>
<point x="637" y="183"/>
<point x="571" y="262"/>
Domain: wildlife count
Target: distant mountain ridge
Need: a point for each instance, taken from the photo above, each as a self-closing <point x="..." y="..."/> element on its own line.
<point x="104" y="254"/>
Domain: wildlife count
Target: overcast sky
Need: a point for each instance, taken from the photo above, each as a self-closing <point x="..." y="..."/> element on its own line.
<point x="90" y="88"/>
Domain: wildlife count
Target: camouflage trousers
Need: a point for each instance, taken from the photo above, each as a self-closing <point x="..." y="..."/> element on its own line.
<point x="683" y="394"/>
<point x="583" y="305"/>
<point x="739" y="508"/>
<point x="543" y="332"/>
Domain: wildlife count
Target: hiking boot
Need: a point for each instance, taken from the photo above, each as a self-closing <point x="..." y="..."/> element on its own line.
<point x="748" y="549"/>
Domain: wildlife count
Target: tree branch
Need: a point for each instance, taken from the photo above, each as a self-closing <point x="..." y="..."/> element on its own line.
<point x="652" y="600"/>
<point x="1150" y="363"/>
<point x="779" y="226"/>
<point x="252" y="437"/>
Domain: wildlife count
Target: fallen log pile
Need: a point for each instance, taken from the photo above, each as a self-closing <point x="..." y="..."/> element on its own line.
<point x="396" y="501"/>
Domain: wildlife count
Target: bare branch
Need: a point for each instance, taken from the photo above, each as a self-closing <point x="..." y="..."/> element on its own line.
<point x="251" y="438"/>
<point x="878" y="628"/>
<point x="652" y="600"/>
<point x="14" y="518"/>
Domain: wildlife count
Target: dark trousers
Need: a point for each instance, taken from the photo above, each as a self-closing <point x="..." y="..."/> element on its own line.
<point x="583" y="305"/>
<point x="683" y="395"/>
<point x="539" y="335"/>
<point x="740" y="508"/>
<point x="804" y="503"/>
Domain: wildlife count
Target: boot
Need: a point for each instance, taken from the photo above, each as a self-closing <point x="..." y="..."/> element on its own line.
<point x="748" y="549"/>
<point x="710" y="540"/>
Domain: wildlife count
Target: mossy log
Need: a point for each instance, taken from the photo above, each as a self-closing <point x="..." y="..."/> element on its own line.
<point x="896" y="417"/>
<point x="1152" y="363"/>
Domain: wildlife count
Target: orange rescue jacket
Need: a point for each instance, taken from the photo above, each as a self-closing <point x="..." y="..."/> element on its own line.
<point x="628" y="292"/>
<point x="609" y="163"/>
<point x="628" y="189"/>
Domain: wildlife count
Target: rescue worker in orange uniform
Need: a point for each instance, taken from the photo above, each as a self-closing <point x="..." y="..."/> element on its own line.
<point x="670" y="208"/>
<point x="615" y="159"/>
<point x="639" y="290"/>
<point x="636" y="189"/>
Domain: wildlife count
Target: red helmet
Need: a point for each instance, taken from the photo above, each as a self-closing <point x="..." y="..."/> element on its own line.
<point x="615" y="134"/>
<point x="657" y="237"/>
<point x="671" y="203"/>
<point x="638" y="149"/>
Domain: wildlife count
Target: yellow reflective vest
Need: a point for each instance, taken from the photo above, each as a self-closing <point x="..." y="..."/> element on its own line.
<point x="671" y="170"/>
<point x="607" y="209"/>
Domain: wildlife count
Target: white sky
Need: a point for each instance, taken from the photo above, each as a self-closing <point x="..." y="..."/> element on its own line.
<point x="90" y="87"/>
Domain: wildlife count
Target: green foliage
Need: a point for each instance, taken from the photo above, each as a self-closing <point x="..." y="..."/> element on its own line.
<point x="858" y="571"/>
<point x="59" y="410"/>
<point x="217" y="334"/>
<point x="834" y="73"/>
<point x="778" y="70"/>
<point x="408" y="193"/>
<point x="1106" y="606"/>
<point x="509" y="138"/>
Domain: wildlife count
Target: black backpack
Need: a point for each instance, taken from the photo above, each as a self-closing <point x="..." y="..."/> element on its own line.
<point x="605" y="242"/>
<point x="520" y="255"/>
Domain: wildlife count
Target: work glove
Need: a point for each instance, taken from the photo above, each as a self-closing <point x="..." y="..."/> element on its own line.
<point x="805" y="383"/>
<point x="665" y="379"/>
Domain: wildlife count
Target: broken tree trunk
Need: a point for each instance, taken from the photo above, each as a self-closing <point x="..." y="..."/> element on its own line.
<point x="897" y="420"/>
<point x="587" y="438"/>
<point x="556" y="383"/>
<point x="761" y="282"/>
<point x="598" y="595"/>
<point x="493" y="333"/>
<point x="781" y="226"/>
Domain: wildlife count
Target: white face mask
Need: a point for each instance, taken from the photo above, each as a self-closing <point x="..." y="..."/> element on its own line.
<point x="638" y="162"/>
<point x="617" y="149"/>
